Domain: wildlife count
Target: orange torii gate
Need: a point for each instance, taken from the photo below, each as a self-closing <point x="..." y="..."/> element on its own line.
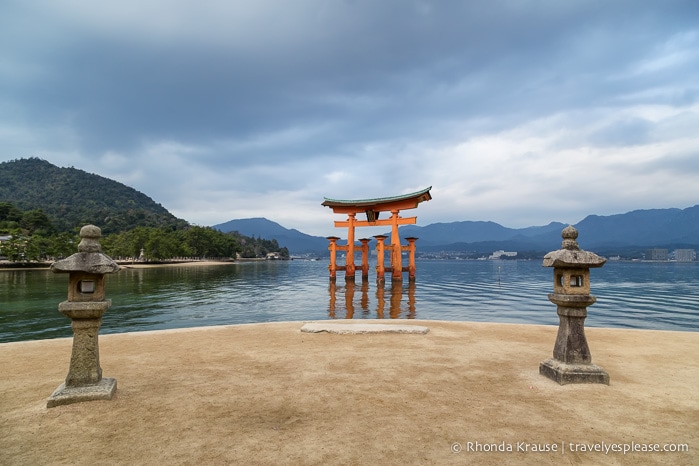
<point x="372" y="208"/>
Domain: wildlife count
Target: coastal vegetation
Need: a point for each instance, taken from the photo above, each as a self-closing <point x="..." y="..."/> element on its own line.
<point x="24" y="241"/>
<point x="42" y="208"/>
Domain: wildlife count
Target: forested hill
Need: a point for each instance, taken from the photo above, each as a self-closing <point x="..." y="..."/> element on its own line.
<point x="71" y="197"/>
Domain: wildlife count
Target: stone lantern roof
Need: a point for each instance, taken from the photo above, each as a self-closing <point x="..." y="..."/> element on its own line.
<point x="570" y="254"/>
<point x="89" y="258"/>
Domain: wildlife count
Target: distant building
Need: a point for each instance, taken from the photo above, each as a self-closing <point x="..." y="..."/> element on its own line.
<point x="501" y="253"/>
<point x="685" y="255"/>
<point x="656" y="254"/>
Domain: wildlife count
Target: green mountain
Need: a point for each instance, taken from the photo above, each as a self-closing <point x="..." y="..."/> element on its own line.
<point x="71" y="198"/>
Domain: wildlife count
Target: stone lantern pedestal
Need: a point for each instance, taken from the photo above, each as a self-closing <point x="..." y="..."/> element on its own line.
<point x="85" y="306"/>
<point x="572" y="362"/>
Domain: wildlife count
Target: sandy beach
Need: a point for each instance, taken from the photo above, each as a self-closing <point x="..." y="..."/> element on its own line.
<point x="147" y="265"/>
<point x="5" y="265"/>
<point x="270" y="394"/>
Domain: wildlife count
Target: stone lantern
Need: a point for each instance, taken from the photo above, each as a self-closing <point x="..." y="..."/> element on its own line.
<point x="572" y="362"/>
<point x="85" y="305"/>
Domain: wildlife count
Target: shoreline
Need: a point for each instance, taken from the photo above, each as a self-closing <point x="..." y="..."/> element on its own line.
<point x="148" y="265"/>
<point x="267" y="393"/>
<point x="11" y="266"/>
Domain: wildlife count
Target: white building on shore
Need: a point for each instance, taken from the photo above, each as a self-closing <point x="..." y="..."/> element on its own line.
<point x="499" y="254"/>
<point x="685" y="255"/>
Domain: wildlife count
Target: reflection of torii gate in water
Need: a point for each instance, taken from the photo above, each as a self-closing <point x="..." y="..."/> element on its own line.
<point x="372" y="208"/>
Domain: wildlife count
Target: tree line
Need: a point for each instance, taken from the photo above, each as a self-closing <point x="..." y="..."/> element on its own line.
<point x="31" y="236"/>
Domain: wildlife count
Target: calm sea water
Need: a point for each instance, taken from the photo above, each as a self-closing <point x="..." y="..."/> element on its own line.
<point x="629" y="295"/>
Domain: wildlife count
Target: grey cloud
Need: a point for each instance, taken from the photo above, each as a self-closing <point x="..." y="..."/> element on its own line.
<point x="506" y="59"/>
<point x="627" y="132"/>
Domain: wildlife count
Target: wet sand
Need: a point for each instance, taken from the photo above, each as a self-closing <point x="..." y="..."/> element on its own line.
<point x="270" y="394"/>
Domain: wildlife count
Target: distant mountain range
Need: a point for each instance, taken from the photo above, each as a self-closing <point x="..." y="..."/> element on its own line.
<point x="295" y="241"/>
<point x="623" y="234"/>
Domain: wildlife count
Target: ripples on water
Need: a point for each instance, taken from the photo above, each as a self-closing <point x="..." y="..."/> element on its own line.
<point x="629" y="295"/>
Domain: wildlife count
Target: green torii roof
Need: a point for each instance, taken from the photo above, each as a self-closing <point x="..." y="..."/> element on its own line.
<point x="404" y="201"/>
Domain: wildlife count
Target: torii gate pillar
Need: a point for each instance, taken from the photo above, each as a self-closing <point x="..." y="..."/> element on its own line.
<point x="396" y="249"/>
<point x="411" y="258"/>
<point x="380" y="268"/>
<point x="332" y="267"/>
<point x="365" y="258"/>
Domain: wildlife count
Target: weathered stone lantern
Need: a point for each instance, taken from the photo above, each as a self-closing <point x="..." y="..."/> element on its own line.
<point x="85" y="305"/>
<point x="572" y="362"/>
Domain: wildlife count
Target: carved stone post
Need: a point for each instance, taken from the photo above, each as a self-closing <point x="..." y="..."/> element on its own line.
<point x="85" y="306"/>
<point x="572" y="362"/>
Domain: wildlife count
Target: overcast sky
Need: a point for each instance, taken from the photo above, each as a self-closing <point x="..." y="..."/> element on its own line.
<point x="519" y="112"/>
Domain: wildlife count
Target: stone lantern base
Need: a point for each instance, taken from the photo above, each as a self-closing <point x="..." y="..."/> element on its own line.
<point x="102" y="390"/>
<point x="565" y="373"/>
